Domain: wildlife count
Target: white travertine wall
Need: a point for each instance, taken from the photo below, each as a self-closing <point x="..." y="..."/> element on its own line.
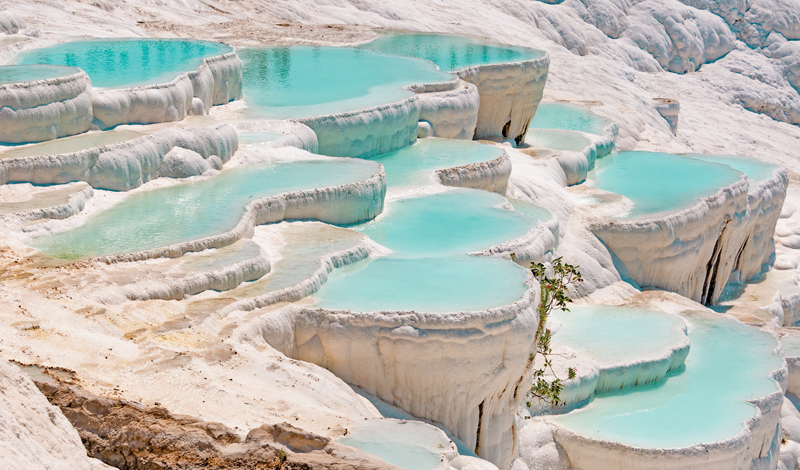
<point x="509" y="95"/>
<point x="694" y="251"/>
<point x="341" y="205"/>
<point x="450" y="108"/>
<point x="367" y="132"/>
<point x="481" y="362"/>
<point x="489" y="176"/>
<point x="122" y="166"/>
<point x="10" y="22"/>
<point x="34" y="433"/>
<point x="218" y="80"/>
<point x="45" y="109"/>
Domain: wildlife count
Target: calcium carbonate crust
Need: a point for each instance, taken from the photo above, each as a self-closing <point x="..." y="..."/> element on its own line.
<point x="218" y="80"/>
<point x="693" y="251"/>
<point x="122" y="166"/>
<point x="10" y="22"/>
<point x="755" y="446"/>
<point x="383" y="352"/>
<point x="489" y="176"/>
<point x="346" y="204"/>
<point x="45" y="109"/>
<point x="219" y="280"/>
<point x="77" y="201"/>
<point x="451" y="108"/>
<point x="509" y="95"/>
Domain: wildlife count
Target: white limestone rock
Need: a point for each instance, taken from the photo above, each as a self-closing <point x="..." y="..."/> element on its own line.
<point x="45" y="109"/>
<point x="126" y="165"/>
<point x="10" y="22"/>
<point x="34" y="433"/>
<point x="183" y="163"/>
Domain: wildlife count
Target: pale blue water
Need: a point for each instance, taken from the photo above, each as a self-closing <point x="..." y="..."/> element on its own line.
<point x="614" y="335"/>
<point x="409" y="445"/>
<point x="754" y="169"/>
<point x="30" y="73"/>
<point x="571" y="117"/>
<point x="557" y="140"/>
<point x="246" y="137"/>
<point x="216" y="259"/>
<point x="791" y="346"/>
<point x="431" y="285"/>
<point x="445" y="224"/>
<point x="449" y="52"/>
<point x="117" y="63"/>
<point x="728" y="364"/>
<point x="531" y="210"/>
<point x="414" y="165"/>
<point x="304" y="81"/>
<point x="660" y="182"/>
<point x="188" y="211"/>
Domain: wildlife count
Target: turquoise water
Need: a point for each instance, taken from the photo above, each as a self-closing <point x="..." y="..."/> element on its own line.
<point x="614" y="335"/>
<point x="432" y="285"/>
<point x="189" y="211"/>
<point x="531" y="210"/>
<point x="304" y="81"/>
<point x="557" y="140"/>
<point x="754" y="169"/>
<point x="660" y="182"/>
<point x="447" y="223"/>
<point x="571" y="117"/>
<point x="30" y="73"/>
<point x="69" y="144"/>
<point x="450" y="53"/>
<point x="428" y="270"/>
<point x="791" y="346"/>
<point x="728" y="363"/>
<point x="407" y="444"/>
<point x="414" y="165"/>
<point x="117" y="63"/>
<point x="212" y="260"/>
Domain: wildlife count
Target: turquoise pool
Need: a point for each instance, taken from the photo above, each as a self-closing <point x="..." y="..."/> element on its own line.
<point x="557" y="140"/>
<point x="447" y="223"/>
<point x="728" y="364"/>
<point x="120" y="63"/>
<point x="303" y="81"/>
<point x="754" y="169"/>
<point x="407" y="444"/>
<point x="30" y="73"/>
<point x="660" y="182"/>
<point x="431" y="285"/>
<point x="449" y="52"/>
<point x="616" y="335"/>
<point x="570" y="117"/>
<point x="414" y="165"/>
<point x="192" y="210"/>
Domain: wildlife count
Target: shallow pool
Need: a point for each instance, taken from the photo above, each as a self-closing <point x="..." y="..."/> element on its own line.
<point x="615" y="335"/>
<point x="557" y="140"/>
<point x="728" y="364"/>
<point x="571" y="117"/>
<point x="449" y="223"/>
<point x="754" y="169"/>
<point x="791" y="346"/>
<point x="410" y="445"/>
<point x="450" y="52"/>
<point x="69" y="144"/>
<point x="414" y="165"/>
<point x="30" y="73"/>
<point x="193" y="210"/>
<point x="431" y="285"/>
<point x="119" y="63"/>
<point x="303" y="81"/>
<point x="660" y="182"/>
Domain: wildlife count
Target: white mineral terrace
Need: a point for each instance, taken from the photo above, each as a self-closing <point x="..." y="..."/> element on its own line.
<point x="315" y="221"/>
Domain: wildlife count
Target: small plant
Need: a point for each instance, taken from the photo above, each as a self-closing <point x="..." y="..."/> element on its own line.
<point x="553" y="293"/>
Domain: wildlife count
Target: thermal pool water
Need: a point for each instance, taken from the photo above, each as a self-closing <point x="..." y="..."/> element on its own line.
<point x="122" y="63"/>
